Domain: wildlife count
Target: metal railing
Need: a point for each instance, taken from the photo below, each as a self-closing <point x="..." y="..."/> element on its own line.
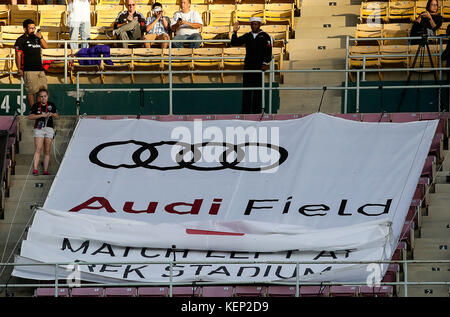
<point x="171" y="283"/>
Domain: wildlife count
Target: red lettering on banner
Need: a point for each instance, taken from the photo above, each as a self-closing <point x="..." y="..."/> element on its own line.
<point x="213" y="233"/>
<point x="104" y="203"/>
<point x="195" y="207"/>
<point x="215" y="206"/>
<point x="128" y="207"/>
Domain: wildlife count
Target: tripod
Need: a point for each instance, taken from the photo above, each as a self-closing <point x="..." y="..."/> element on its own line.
<point x="420" y="55"/>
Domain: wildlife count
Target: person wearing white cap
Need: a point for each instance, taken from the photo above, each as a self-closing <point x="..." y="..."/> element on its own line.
<point x="258" y="55"/>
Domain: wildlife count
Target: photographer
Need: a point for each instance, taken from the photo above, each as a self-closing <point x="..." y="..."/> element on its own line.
<point x="427" y="22"/>
<point x="158" y="26"/>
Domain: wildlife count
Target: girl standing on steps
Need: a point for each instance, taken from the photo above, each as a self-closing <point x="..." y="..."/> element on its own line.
<point x="43" y="113"/>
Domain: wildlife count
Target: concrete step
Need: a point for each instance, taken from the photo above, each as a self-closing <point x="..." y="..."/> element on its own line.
<point x="314" y="22"/>
<point x="442" y="189"/>
<point x="28" y="170"/>
<point x="27" y="159"/>
<point x="27" y="147"/>
<point x="419" y="276"/>
<point x="435" y="230"/>
<point x="322" y="43"/>
<point x="315" y="54"/>
<point x="339" y="3"/>
<point x="427" y="254"/>
<point x="318" y="79"/>
<point x="424" y="291"/>
<point x="323" y="9"/>
<point x="20" y="212"/>
<point x="441" y="177"/>
<point x="437" y="213"/>
<point x="308" y="102"/>
<point x="30" y="191"/>
<point x="320" y="32"/>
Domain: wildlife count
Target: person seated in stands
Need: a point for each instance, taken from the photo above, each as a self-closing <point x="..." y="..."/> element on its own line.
<point x="129" y="24"/>
<point x="186" y="24"/>
<point x="43" y="112"/>
<point x="158" y="26"/>
<point x="428" y="22"/>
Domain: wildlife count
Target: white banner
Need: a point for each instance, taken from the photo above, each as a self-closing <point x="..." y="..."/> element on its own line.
<point x="316" y="185"/>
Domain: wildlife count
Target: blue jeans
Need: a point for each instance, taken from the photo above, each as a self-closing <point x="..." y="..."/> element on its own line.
<point x="195" y="36"/>
<point x="84" y="30"/>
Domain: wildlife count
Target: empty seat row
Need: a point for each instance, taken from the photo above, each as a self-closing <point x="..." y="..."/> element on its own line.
<point x="220" y="291"/>
<point x="391" y="11"/>
<point x="105" y="15"/>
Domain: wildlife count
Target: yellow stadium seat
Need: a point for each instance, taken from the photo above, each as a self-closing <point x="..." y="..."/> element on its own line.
<point x="215" y="33"/>
<point x="367" y="31"/>
<point x="4" y="14"/>
<point x="181" y="59"/>
<point x="206" y="62"/>
<point x="434" y="49"/>
<point x="170" y="9"/>
<point x="280" y="36"/>
<point x="111" y="2"/>
<point x="280" y="13"/>
<point x="374" y="12"/>
<point x="76" y="67"/>
<point x="107" y="14"/>
<point x="443" y="29"/>
<point x="243" y="28"/>
<point x="121" y="58"/>
<point x="221" y="14"/>
<point x="6" y="63"/>
<point x="203" y="10"/>
<point x="143" y="2"/>
<point x="52" y="15"/>
<point x="233" y="57"/>
<point x="21" y="12"/>
<point x="148" y="59"/>
<point x="395" y="30"/>
<point x="51" y="33"/>
<point x="420" y="6"/>
<point x="145" y="9"/>
<point x="56" y="55"/>
<point x="361" y="62"/>
<point x="246" y="11"/>
<point x="98" y="32"/>
<point x="445" y="7"/>
<point x="401" y="10"/>
<point x="391" y="61"/>
<point x="10" y="33"/>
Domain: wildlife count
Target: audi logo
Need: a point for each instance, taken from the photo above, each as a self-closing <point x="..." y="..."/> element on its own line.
<point x="187" y="148"/>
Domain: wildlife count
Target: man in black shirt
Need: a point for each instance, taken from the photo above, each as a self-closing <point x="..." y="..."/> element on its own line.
<point x="129" y="24"/>
<point x="43" y="113"/>
<point x="258" y="55"/>
<point x="28" y="59"/>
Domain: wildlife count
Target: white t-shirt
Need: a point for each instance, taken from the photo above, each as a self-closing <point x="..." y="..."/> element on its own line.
<point x="192" y="16"/>
<point x="79" y="11"/>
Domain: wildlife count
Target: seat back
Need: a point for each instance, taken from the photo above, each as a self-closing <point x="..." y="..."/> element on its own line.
<point x="105" y="15"/>
<point x="52" y="15"/>
<point x="221" y="14"/>
<point x="21" y="12"/>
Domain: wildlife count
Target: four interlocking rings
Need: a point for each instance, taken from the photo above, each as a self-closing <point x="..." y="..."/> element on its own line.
<point x="187" y="148"/>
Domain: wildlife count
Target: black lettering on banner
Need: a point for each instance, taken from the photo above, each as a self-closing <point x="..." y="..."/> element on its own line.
<point x="144" y="254"/>
<point x="268" y="268"/>
<point x="221" y="270"/>
<point x="209" y="254"/>
<point x="104" y="268"/>
<point x="170" y="251"/>
<point x="310" y="271"/>
<point x="329" y="254"/>
<point x="175" y="272"/>
<point x="278" y="272"/>
<point x="386" y="208"/>
<point x="234" y="256"/>
<point x="242" y="268"/>
<point x="306" y="208"/>
<point x="66" y="244"/>
<point x="200" y="267"/>
<point x="136" y="270"/>
<point x="107" y="246"/>
<point x="341" y="211"/>
<point x="127" y="250"/>
<point x="251" y="202"/>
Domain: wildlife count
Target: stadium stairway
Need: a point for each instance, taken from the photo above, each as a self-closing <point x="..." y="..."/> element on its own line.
<point x="433" y="241"/>
<point x="319" y="43"/>
<point x="28" y="191"/>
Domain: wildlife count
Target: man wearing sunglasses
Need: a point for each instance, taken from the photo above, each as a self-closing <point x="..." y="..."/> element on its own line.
<point x="129" y="24"/>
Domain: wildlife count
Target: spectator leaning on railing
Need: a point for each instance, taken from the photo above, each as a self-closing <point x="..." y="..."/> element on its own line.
<point x="129" y="24"/>
<point x="158" y="26"/>
<point x="428" y="22"/>
<point x="186" y="24"/>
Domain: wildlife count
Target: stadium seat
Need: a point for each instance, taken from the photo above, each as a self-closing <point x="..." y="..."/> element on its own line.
<point x="52" y="33"/>
<point x="145" y="9"/>
<point x="281" y="291"/>
<point x="404" y="117"/>
<point x="52" y="15"/>
<point x="215" y="33"/>
<point x="4" y="14"/>
<point x="401" y="10"/>
<point x="50" y="292"/>
<point x="367" y="31"/>
<point x="10" y="33"/>
<point x="56" y="56"/>
<point x="105" y="15"/>
<point x="381" y="291"/>
<point x="344" y="291"/>
<point x="120" y="292"/>
<point x="181" y="60"/>
<point x="208" y="64"/>
<point x="110" y="2"/>
<point x="373" y="12"/>
<point x="21" y="12"/>
<point x="221" y="14"/>
<point x="421" y="6"/>
<point x="279" y="13"/>
<point x="153" y="292"/>
<point x="363" y="62"/>
<point x="445" y="7"/>
<point x="6" y="62"/>
<point x="434" y="49"/>
<point x="97" y="33"/>
<point x="217" y="291"/>
<point x="148" y="59"/>
<point x="280" y="36"/>
<point x="121" y="58"/>
<point x="233" y="58"/>
<point x="375" y="117"/>
<point x="170" y="9"/>
<point x="202" y="9"/>
<point x="186" y="291"/>
<point x="391" y="30"/>
<point x="246" y="11"/>
<point x="250" y="291"/>
<point x="389" y="61"/>
<point x="86" y="292"/>
<point x="314" y="291"/>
